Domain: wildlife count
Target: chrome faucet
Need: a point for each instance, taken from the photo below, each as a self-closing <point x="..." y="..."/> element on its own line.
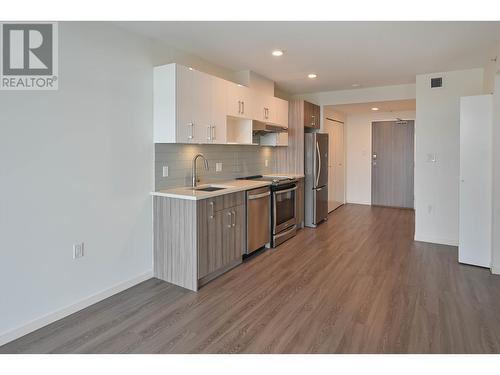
<point x="193" y="170"/>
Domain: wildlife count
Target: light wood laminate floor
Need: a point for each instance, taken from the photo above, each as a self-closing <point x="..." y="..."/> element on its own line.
<point x="356" y="284"/>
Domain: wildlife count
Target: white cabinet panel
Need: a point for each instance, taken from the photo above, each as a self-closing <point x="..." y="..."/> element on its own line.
<point x="475" y="180"/>
<point x="239" y="101"/>
<point x="194" y="107"/>
<point x="201" y="106"/>
<point x="263" y="108"/>
<point x="281" y="111"/>
<point x="218" y="95"/>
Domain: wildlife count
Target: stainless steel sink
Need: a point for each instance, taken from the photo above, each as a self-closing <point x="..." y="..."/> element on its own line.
<point x="210" y="188"/>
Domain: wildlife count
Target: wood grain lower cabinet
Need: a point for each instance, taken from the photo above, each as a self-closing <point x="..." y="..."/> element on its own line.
<point x="196" y="241"/>
<point x="312" y="115"/>
<point x="221" y="239"/>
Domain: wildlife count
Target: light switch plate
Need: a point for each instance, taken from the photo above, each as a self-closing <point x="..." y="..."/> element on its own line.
<point x="78" y="250"/>
<point x="165" y="171"/>
<point x="218" y="167"/>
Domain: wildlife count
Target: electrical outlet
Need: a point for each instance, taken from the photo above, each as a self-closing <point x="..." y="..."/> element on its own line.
<point x="78" y="250"/>
<point x="431" y="158"/>
<point x="165" y="171"/>
<point x="266" y="163"/>
<point x="218" y="167"/>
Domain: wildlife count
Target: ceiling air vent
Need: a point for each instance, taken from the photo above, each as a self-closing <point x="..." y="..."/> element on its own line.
<point x="436" y="82"/>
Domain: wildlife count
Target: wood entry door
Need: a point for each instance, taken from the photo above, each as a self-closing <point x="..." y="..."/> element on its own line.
<point x="393" y="163"/>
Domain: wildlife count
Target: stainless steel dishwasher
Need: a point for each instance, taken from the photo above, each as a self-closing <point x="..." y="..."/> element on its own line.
<point x="258" y="218"/>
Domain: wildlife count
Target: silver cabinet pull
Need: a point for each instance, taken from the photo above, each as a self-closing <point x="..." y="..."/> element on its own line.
<point x="190" y="124"/>
<point x="239" y="107"/>
<point x="230" y="220"/>
<point x="242" y="107"/>
<point x="212" y="209"/>
<point x="234" y="219"/>
<point x="209" y="132"/>
<point x="213" y="132"/>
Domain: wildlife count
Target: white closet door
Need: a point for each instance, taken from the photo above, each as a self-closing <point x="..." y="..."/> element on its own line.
<point x="475" y="180"/>
<point x="339" y="172"/>
<point x="336" y="177"/>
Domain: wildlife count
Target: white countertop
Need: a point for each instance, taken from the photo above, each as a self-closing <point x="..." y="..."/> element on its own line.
<point x="232" y="186"/>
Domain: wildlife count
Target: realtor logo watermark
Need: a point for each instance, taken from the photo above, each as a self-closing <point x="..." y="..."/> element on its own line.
<point x="29" y="59"/>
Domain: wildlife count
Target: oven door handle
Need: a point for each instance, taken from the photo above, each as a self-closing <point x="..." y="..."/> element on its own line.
<point x="285" y="191"/>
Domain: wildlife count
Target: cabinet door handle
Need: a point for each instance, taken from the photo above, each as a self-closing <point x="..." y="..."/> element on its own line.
<point x="230" y="220"/>
<point x="212" y="209"/>
<point x="239" y="106"/>
<point x="234" y="219"/>
<point x="242" y="107"/>
<point x="190" y="124"/>
<point x="213" y="132"/>
<point x="209" y="133"/>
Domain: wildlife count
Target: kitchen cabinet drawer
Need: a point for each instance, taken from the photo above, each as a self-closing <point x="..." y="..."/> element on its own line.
<point x="234" y="199"/>
<point x="222" y="202"/>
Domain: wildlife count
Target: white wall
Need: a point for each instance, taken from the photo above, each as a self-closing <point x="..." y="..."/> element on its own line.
<point x="495" y="256"/>
<point x="491" y="69"/>
<point x="362" y="95"/>
<point x="438" y="132"/>
<point x="77" y="164"/>
<point x="358" y="135"/>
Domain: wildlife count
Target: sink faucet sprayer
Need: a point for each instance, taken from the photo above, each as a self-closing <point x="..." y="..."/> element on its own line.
<point x="193" y="171"/>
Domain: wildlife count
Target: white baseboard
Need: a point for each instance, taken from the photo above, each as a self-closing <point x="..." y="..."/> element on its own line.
<point x="495" y="270"/>
<point x="436" y="240"/>
<point x="360" y="202"/>
<point x="11" y="335"/>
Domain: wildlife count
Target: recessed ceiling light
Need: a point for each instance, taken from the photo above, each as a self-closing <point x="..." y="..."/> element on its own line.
<point x="374" y="109"/>
<point x="277" y="52"/>
<point x="355" y="85"/>
<point x="190" y="68"/>
<point x="312" y="75"/>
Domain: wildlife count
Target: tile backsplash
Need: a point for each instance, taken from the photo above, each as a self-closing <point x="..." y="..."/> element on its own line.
<point x="237" y="161"/>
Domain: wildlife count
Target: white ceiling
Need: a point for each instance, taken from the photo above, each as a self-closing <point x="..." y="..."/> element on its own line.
<point x="387" y="106"/>
<point x="341" y="53"/>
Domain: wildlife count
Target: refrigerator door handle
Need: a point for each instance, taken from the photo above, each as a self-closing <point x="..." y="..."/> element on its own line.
<point x="319" y="163"/>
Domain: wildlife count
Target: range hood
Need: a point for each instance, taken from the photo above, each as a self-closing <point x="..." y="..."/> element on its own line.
<point x="259" y="127"/>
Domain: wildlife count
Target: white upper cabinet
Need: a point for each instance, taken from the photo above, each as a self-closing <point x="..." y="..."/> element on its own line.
<point x="218" y="122"/>
<point x="181" y="104"/>
<point x="271" y="110"/>
<point x="239" y="101"/>
<point x="263" y="108"/>
<point x="194" y="107"/>
<point x="281" y="112"/>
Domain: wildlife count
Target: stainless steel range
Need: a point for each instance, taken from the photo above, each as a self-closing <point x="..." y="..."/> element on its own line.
<point x="283" y="207"/>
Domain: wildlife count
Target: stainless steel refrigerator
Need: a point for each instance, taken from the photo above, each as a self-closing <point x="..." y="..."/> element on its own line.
<point x="316" y="183"/>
